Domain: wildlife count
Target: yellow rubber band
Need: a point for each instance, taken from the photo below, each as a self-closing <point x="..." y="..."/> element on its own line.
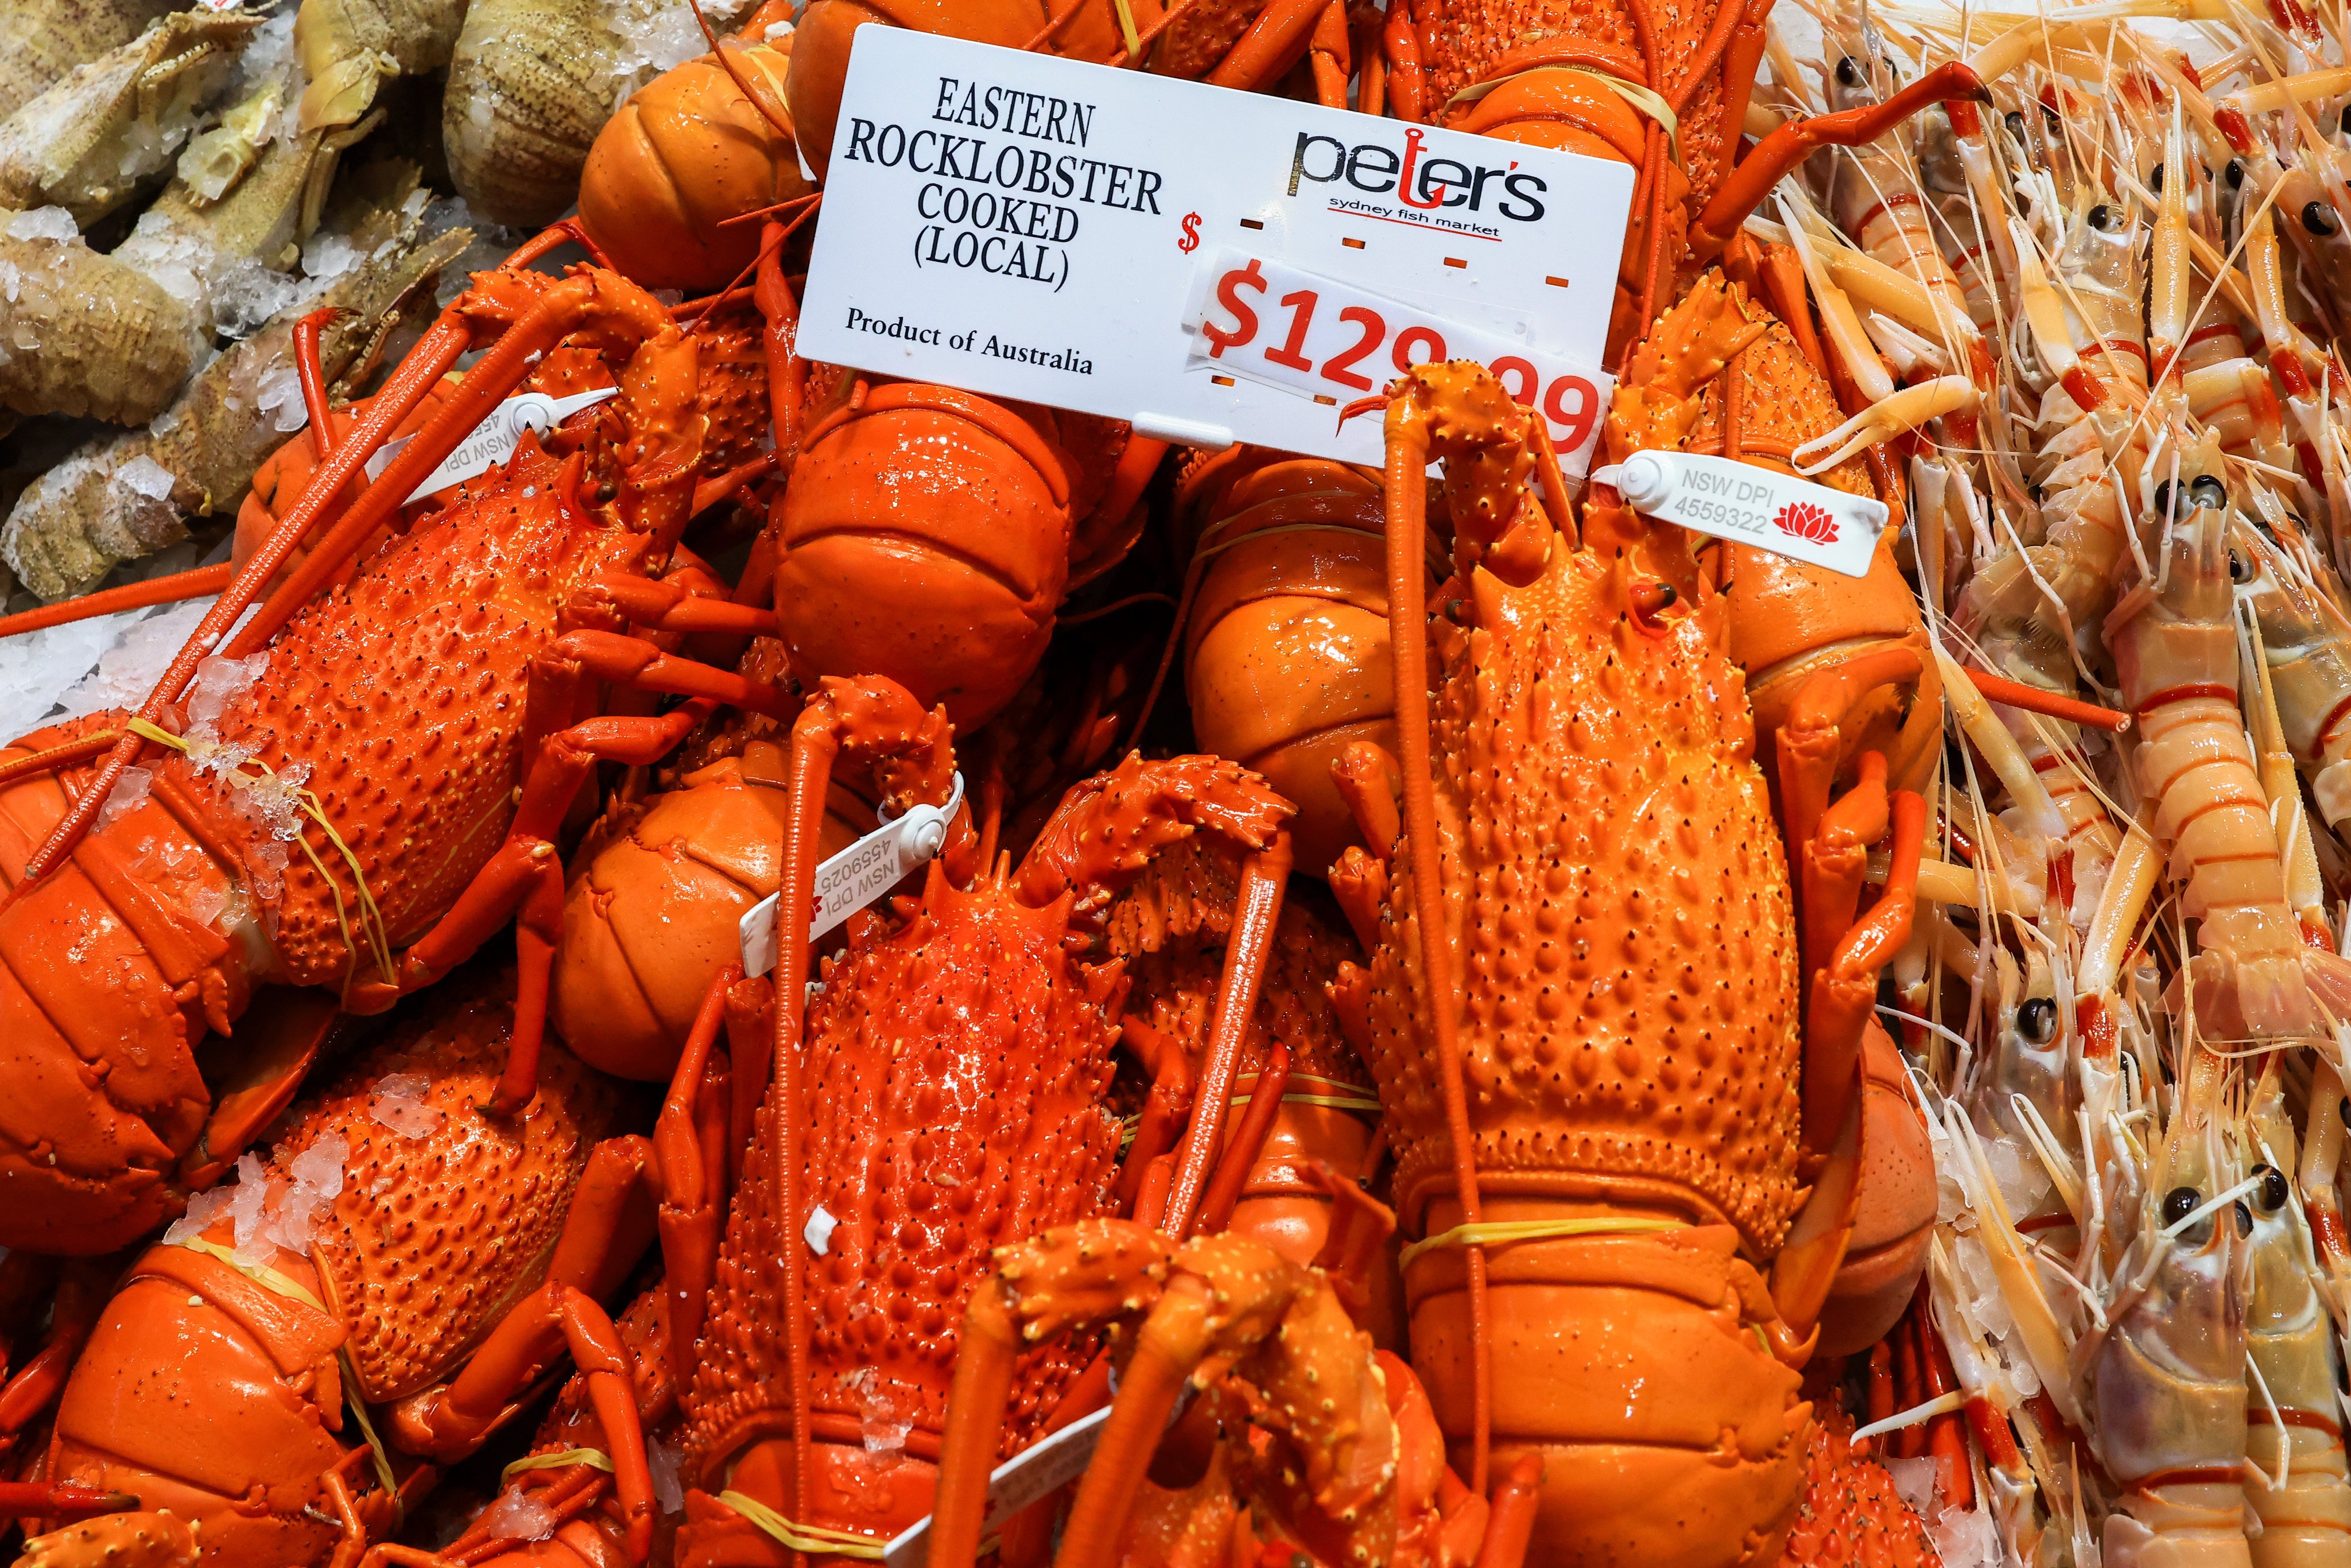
<point x="371" y="915"/>
<point x="259" y="1273"/>
<point x="270" y="1278"/>
<point x="1335" y="1102"/>
<point x="1633" y="93"/>
<point x="803" y="1537"/>
<point x="557" y="1460"/>
<point x="1503" y="1232"/>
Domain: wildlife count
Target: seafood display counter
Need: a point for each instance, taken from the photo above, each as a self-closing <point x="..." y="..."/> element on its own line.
<point x="1276" y="783"/>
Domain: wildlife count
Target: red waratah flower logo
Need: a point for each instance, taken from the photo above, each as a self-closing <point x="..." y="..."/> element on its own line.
<point x="1806" y="521"/>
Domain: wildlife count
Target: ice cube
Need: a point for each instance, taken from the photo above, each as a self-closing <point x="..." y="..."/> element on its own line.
<point x="1915" y="1480"/>
<point x="44" y="223"/>
<point x="516" y="1516"/>
<point x="203" y="1207"/>
<point x="145" y="476"/>
<point x="397" y="1101"/>
<point x="130" y="791"/>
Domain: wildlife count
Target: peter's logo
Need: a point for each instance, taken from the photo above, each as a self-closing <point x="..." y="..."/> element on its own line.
<point x="1417" y="180"/>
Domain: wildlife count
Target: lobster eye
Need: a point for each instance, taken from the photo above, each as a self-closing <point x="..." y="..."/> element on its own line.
<point x="1848" y="72"/>
<point x="2206" y="490"/>
<point x="2163" y="499"/>
<point x="2273" y="1191"/>
<point x="2102" y="218"/>
<point x="2014" y="120"/>
<point x="2036" y="1020"/>
<point x="2244" y="1217"/>
<point x="2235" y="175"/>
<point x="2154" y="179"/>
<point x="2180" y="1203"/>
<point x="2344" y="124"/>
<point x="2239" y="572"/>
<point x="2320" y="219"/>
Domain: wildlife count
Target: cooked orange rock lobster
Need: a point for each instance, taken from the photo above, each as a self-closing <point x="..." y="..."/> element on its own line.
<point x="1603" y="1123"/>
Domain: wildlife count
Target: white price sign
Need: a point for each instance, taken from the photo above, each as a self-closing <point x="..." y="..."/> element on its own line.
<point x="1054" y="232"/>
<point x="1327" y="340"/>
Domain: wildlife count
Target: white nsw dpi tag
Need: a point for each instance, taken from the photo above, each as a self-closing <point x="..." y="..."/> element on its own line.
<point x="1016" y="1483"/>
<point x="494" y="440"/>
<point x="855" y="877"/>
<point x="1751" y="506"/>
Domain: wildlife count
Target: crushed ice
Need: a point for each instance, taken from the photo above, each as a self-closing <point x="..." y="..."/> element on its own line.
<point x="667" y="1465"/>
<point x="144" y="475"/>
<point x="269" y="1212"/>
<point x="397" y="1101"/>
<point x="129" y="791"/>
<point x="44" y="223"/>
<point x="516" y="1516"/>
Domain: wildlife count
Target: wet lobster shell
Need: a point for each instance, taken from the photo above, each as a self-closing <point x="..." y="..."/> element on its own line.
<point x="656" y="901"/>
<point x="397" y="700"/>
<point x="687" y="152"/>
<point x="1790" y="619"/>
<point x="1171" y="928"/>
<point x="956" y="1072"/>
<point x="1286" y="653"/>
<point x="928" y="535"/>
<point x="208" y="1392"/>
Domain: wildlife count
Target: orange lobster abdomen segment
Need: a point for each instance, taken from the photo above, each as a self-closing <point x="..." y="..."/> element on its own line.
<point x="687" y="152"/>
<point x="206" y="1393"/>
<point x="820" y="45"/>
<point x="1636" y="1367"/>
<point x="1286" y="659"/>
<point x="106" y="981"/>
<point x="925" y="536"/>
<point x="654" y="913"/>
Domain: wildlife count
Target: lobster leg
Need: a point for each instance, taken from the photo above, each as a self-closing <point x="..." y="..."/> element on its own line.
<point x="552" y="1318"/>
<point x="526" y="872"/>
<point x="607" y="1228"/>
<point x="1744" y="190"/>
<point x="1164" y="1110"/>
<point x="1839" y="1004"/>
<point x="83" y="1289"/>
<point x="693" y="1170"/>
<point x="1272" y="45"/>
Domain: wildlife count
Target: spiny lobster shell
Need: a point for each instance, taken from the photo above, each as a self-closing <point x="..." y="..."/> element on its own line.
<point x="955" y="1073"/>
<point x="214" y="1395"/>
<point x="397" y="701"/>
<point x="1465" y="45"/>
<point x="1620" y="907"/>
<point x="433" y="1238"/>
<point x="1170" y="928"/>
